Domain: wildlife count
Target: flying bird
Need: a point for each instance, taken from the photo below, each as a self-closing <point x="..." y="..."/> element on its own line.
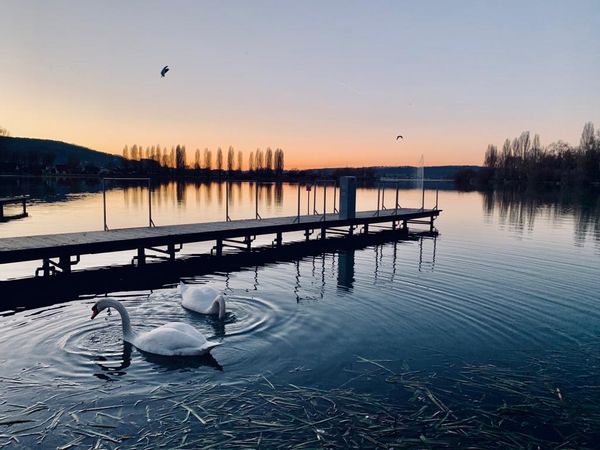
<point x="399" y="137"/>
<point x="164" y="71"/>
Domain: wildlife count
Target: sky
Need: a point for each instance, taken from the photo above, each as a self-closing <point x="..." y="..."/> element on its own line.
<point x="331" y="82"/>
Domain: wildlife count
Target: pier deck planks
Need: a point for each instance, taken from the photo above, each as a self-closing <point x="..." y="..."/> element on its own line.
<point x="30" y="248"/>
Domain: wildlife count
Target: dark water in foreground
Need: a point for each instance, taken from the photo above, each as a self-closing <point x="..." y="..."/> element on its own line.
<point x="486" y="336"/>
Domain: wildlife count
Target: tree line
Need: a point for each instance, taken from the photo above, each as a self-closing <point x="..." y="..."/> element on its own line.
<point x="265" y="162"/>
<point x="524" y="160"/>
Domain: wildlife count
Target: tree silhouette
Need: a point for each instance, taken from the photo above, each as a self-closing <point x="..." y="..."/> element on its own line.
<point x="180" y="157"/>
<point x="279" y="163"/>
<point x="207" y="159"/>
<point x="587" y="137"/>
<point x="491" y="156"/>
<point x="251" y="162"/>
<point x="219" y="160"/>
<point x="528" y="161"/>
<point x="259" y="164"/>
<point x="4" y="132"/>
<point x="240" y="161"/>
<point x="269" y="160"/>
<point x="230" y="159"/>
<point x="197" y="159"/>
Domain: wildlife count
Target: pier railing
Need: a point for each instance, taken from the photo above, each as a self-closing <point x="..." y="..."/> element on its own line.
<point x="149" y="183"/>
<point x="311" y="187"/>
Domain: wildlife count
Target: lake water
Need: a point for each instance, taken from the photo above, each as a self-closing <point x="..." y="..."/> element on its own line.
<point x="486" y="336"/>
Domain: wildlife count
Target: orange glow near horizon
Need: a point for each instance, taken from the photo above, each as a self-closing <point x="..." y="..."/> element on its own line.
<point x="303" y="155"/>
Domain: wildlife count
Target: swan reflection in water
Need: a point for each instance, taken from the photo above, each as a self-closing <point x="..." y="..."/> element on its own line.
<point x="112" y="367"/>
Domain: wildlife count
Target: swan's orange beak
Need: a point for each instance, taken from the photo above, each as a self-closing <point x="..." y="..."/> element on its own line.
<point x="94" y="311"/>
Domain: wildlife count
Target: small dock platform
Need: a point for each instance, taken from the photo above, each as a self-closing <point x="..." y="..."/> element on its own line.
<point x="22" y="199"/>
<point x="59" y="252"/>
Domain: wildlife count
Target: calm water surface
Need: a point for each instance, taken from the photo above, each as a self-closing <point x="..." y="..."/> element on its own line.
<point x="485" y="335"/>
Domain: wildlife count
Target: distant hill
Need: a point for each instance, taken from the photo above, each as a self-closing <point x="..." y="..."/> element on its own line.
<point x="27" y="151"/>
<point x="410" y="172"/>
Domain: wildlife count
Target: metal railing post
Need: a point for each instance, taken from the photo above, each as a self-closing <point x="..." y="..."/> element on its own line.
<point x="335" y="210"/>
<point x="150" y="221"/>
<point x="298" y="202"/>
<point x="324" y="200"/>
<point x="257" y="216"/>
<point x="315" y="198"/>
<point x="423" y="197"/>
<point x="378" y="196"/>
<point x="383" y="198"/>
<point x="227" y="218"/>
<point x="307" y="200"/>
<point x="437" y="191"/>
<point x="104" y="202"/>
<point x="397" y="189"/>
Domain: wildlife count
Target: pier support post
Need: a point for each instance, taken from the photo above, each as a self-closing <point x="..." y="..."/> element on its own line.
<point x="219" y="247"/>
<point x="248" y="242"/>
<point x="431" y="227"/>
<point x="279" y="239"/>
<point x="307" y="234"/>
<point x="141" y="257"/>
<point x="64" y="262"/>
<point x="366" y="229"/>
<point x="46" y="267"/>
<point x="347" y="197"/>
<point x="171" y="251"/>
<point x="323" y="233"/>
<point x="404" y="225"/>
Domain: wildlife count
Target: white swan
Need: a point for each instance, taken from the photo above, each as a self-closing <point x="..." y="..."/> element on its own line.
<point x="202" y="299"/>
<point x="171" y="339"/>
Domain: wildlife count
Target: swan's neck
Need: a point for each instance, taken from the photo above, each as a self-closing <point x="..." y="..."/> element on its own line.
<point x="221" y="301"/>
<point x="128" y="334"/>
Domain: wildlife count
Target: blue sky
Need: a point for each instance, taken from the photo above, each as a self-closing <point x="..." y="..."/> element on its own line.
<point x="331" y="83"/>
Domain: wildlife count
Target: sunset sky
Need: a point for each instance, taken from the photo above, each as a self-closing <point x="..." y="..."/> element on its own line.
<point x="330" y="82"/>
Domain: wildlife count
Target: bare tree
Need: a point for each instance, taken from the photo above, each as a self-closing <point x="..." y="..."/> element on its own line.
<point x="134" y="152"/>
<point x="251" y="162"/>
<point x="230" y="159"/>
<point x="506" y="154"/>
<point x="240" y="161"/>
<point x="197" y="159"/>
<point x="525" y="143"/>
<point x="269" y="159"/>
<point x="259" y="164"/>
<point x="516" y="148"/>
<point x="491" y="156"/>
<point x="219" y="159"/>
<point x="279" y="161"/>
<point x="180" y="157"/>
<point x="4" y="132"/>
<point x="207" y="159"/>
<point x="587" y="137"/>
<point x="125" y="152"/>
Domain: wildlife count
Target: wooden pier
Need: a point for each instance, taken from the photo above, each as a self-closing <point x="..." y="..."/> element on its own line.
<point x="22" y="199"/>
<point x="59" y="252"/>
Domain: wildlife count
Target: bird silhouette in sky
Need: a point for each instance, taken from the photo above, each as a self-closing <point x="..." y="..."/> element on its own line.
<point x="164" y="71"/>
<point x="399" y="137"/>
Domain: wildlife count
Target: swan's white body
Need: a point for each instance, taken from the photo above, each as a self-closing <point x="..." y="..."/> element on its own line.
<point x="171" y="339"/>
<point x="202" y="299"/>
